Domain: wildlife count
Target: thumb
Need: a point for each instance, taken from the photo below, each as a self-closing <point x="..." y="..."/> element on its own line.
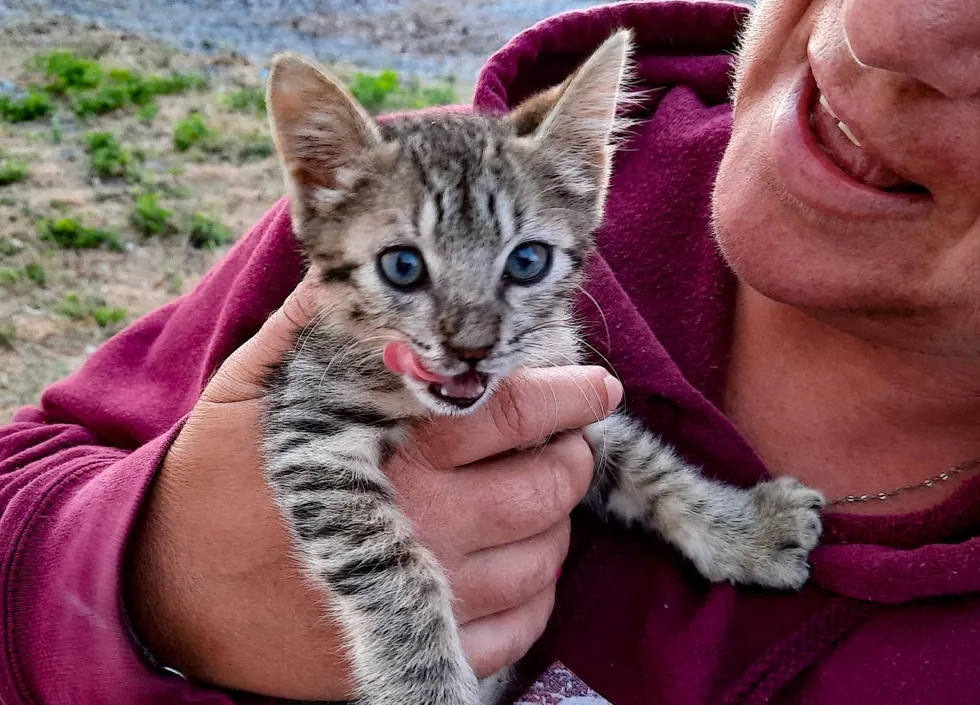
<point x="241" y="376"/>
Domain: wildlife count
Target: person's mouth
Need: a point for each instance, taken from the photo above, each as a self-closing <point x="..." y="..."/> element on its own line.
<point x="460" y="391"/>
<point x="838" y="141"/>
<point x="825" y="163"/>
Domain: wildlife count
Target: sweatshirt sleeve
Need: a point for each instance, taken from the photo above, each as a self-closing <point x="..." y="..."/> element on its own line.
<point x="74" y="471"/>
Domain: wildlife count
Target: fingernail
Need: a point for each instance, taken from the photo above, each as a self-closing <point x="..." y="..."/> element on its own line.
<point x="614" y="392"/>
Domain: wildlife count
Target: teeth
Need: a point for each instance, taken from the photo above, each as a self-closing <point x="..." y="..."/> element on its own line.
<point x="842" y="126"/>
<point x="826" y="106"/>
<point x="444" y="391"/>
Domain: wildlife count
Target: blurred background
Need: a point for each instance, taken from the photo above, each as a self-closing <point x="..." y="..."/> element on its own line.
<point x="134" y="148"/>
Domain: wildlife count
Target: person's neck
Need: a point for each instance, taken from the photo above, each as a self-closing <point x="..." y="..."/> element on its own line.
<point x="846" y="416"/>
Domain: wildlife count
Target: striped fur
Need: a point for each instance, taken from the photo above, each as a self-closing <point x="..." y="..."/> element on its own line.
<point x="465" y="191"/>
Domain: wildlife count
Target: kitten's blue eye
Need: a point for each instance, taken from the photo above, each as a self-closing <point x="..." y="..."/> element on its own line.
<point x="528" y="263"/>
<point x="403" y="267"/>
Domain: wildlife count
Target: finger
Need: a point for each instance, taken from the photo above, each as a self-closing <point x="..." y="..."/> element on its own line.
<point x="502" y="639"/>
<point x="501" y="578"/>
<point x="241" y="376"/>
<point x="518" y="497"/>
<point x="527" y="409"/>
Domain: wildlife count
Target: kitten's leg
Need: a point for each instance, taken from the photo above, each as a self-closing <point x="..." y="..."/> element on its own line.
<point x="762" y="535"/>
<point x="388" y="592"/>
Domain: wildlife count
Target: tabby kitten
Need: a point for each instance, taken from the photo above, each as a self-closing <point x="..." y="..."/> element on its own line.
<point x="450" y="248"/>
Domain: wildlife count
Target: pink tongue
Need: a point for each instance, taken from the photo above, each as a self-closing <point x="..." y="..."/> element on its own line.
<point x="855" y="161"/>
<point x="402" y="361"/>
<point x="399" y="358"/>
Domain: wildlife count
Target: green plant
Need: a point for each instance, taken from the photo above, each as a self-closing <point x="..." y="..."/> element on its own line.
<point x="9" y="247"/>
<point x="12" y="171"/>
<point x="67" y="71"/>
<point x="206" y="232"/>
<point x="372" y="90"/>
<point x="246" y="100"/>
<point x="36" y="273"/>
<point x="69" y="233"/>
<point x="147" y="112"/>
<point x="256" y="147"/>
<point x="33" y="272"/>
<point x="70" y="306"/>
<point x="122" y="87"/>
<point x="386" y="91"/>
<point x="149" y="217"/>
<point x="34" y="105"/>
<point x="91" y="307"/>
<point x="106" y="316"/>
<point x="190" y="131"/>
<point x="8" y="334"/>
<point x="57" y="131"/>
<point x="108" y="158"/>
<point x="9" y="275"/>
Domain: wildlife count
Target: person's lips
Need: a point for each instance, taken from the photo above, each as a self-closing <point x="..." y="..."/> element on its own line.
<point x="821" y="161"/>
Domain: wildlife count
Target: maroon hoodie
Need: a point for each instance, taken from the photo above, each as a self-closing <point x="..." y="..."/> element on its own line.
<point x="890" y="616"/>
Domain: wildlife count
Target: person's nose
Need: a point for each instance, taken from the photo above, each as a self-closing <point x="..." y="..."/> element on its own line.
<point x="935" y="42"/>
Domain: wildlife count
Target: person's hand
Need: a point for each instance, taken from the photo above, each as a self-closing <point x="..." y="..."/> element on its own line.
<point x="212" y="588"/>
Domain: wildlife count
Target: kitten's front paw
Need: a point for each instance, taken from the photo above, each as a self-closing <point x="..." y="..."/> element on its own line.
<point x="786" y="528"/>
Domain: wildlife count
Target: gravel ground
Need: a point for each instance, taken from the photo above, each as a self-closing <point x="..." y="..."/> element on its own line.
<point x="432" y="38"/>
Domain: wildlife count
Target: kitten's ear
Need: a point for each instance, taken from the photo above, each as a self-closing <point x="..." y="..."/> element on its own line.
<point x="577" y="119"/>
<point x="318" y="127"/>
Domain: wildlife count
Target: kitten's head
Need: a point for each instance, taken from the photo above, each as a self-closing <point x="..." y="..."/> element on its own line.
<point x="454" y="241"/>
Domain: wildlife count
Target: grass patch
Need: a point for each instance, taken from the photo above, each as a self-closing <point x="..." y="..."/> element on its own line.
<point x="70" y="234"/>
<point x="9" y="275"/>
<point x="106" y="316"/>
<point x="36" y="104"/>
<point x="107" y="157"/>
<point x="66" y="71"/>
<point x="246" y="100"/>
<point x="8" y="248"/>
<point x="149" y="217"/>
<point x="8" y="334"/>
<point x="32" y="272"/>
<point x="190" y="131"/>
<point x="92" y="89"/>
<point x="91" y="307"/>
<point x="36" y="273"/>
<point x="387" y="91"/>
<point x="123" y="87"/>
<point x="206" y="232"/>
<point x="147" y="113"/>
<point x="255" y="147"/>
<point x="12" y="171"/>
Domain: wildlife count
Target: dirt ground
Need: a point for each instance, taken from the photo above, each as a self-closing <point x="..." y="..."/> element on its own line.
<point x="42" y="339"/>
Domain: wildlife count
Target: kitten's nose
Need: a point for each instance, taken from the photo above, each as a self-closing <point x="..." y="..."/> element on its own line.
<point x="471" y="356"/>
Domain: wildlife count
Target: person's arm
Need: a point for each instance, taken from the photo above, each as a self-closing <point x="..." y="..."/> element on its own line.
<point x="73" y="474"/>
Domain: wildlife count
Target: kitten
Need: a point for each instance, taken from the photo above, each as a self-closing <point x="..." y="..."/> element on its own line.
<point x="450" y="248"/>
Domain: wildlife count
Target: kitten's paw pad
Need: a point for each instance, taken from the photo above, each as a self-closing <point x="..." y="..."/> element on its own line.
<point x="787" y="527"/>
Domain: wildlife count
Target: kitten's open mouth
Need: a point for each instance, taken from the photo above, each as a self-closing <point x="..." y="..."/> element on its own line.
<point x="461" y="391"/>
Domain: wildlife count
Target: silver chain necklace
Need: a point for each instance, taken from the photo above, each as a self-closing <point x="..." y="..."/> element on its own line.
<point x="931" y="482"/>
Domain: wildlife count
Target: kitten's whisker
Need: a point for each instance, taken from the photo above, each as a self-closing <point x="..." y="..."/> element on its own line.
<point x="554" y="396"/>
<point x="600" y="463"/>
<point x="312" y="325"/>
<point x="602" y="314"/>
<point x="343" y="352"/>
